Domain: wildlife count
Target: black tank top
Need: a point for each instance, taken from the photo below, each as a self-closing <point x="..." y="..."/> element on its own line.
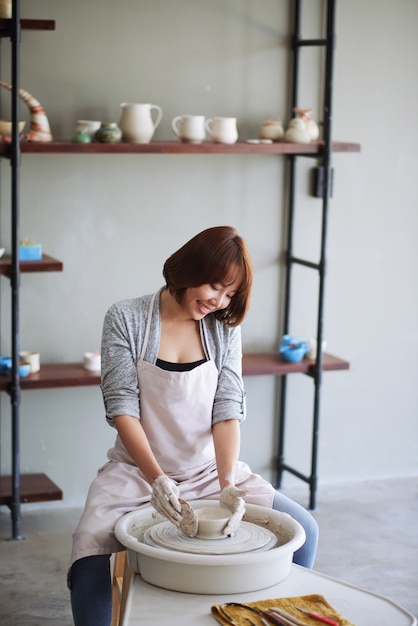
<point x="178" y="367"/>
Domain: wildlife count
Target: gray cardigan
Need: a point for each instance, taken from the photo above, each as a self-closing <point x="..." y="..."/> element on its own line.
<point x="122" y="338"/>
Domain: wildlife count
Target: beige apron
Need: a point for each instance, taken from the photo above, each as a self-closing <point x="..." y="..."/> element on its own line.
<point x="176" y="415"/>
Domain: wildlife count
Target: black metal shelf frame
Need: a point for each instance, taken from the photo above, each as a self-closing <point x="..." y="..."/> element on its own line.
<point x="12" y="30"/>
<point x="328" y="43"/>
<point x="15" y="34"/>
<point x="15" y="155"/>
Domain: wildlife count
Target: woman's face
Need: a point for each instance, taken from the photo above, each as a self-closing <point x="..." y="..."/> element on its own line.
<point x="200" y="301"/>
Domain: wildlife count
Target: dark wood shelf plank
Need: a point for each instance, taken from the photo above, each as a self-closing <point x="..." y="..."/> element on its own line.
<point x="56" y="375"/>
<point x="33" y="488"/>
<point x="26" y="24"/>
<point x="46" y="264"/>
<point x="270" y="363"/>
<point x="176" y="147"/>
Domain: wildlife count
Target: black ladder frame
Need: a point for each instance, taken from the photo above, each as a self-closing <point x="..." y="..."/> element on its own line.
<point x="13" y="31"/>
<point x="325" y="165"/>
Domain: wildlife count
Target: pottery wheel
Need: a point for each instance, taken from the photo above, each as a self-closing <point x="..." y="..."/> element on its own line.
<point x="248" y="538"/>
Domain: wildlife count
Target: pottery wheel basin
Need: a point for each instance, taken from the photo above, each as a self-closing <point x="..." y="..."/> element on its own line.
<point x="155" y="551"/>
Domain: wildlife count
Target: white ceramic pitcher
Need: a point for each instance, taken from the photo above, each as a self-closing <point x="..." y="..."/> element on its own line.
<point x="136" y="122"/>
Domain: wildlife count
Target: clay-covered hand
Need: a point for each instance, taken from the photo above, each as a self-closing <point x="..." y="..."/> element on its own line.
<point x="232" y="499"/>
<point x="165" y="500"/>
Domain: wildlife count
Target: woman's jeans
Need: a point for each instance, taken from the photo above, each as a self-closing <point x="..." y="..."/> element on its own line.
<point x="91" y="591"/>
<point x="305" y="556"/>
<point x="91" y="585"/>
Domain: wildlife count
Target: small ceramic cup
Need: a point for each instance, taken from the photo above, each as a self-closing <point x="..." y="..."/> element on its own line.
<point x="211" y="522"/>
<point x="222" y="129"/>
<point x="92" y="361"/>
<point x="6" y="9"/>
<point x="313" y="348"/>
<point x="88" y="126"/>
<point x="189" y="128"/>
<point x="33" y="359"/>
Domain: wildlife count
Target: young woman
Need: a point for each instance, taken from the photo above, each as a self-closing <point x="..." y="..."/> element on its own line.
<point x="173" y="389"/>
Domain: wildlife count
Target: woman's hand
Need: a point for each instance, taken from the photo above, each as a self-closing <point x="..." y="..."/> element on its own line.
<point x="165" y="500"/>
<point x="232" y="499"/>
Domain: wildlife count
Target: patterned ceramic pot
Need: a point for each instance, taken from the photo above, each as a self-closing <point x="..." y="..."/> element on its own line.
<point x="109" y="132"/>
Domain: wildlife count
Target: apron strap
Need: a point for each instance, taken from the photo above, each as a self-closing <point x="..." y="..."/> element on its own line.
<point x="147" y="329"/>
<point x="205" y="340"/>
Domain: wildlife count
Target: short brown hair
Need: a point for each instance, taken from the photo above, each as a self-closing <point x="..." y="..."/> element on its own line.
<point x="216" y="255"/>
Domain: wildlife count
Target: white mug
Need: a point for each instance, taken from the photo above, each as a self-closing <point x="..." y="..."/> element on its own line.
<point x="33" y="359"/>
<point x="222" y="129"/>
<point x="189" y="128"/>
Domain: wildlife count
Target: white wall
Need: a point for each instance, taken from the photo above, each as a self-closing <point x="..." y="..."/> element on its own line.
<point x="114" y="219"/>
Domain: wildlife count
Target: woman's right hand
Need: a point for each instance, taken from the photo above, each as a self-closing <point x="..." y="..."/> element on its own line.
<point x="165" y="500"/>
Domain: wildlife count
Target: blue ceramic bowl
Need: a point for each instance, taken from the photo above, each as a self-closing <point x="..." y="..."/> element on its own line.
<point x="24" y="370"/>
<point x="292" y="350"/>
<point x="6" y="367"/>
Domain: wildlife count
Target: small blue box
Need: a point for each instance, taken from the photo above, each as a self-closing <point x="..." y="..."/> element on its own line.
<point x="30" y="252"/>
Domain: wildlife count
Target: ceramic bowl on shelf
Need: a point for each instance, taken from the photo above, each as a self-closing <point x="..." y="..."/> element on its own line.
<point x="292" y="350"/>
<point x="24" y="370"/>
<point x="6" y="367"/>
<point x="6" y="127"/>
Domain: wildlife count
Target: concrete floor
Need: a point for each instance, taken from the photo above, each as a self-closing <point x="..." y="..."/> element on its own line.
<point x="369" y="537"/>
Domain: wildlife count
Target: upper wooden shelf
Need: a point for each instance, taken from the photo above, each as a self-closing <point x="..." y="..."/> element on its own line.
<point x="5" y="25"/>
<point x="270" y="363"/>
<point x="55" y="375"/>
<point x="176" y="147"/>
<point x="46" y="264"/>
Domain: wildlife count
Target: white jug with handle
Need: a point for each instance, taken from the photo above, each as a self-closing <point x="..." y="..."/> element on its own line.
<point x="136" y="122"/>
<point x="222" y="129"/>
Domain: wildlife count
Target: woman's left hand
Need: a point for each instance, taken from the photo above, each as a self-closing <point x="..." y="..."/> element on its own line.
<point x="231" y="498"/>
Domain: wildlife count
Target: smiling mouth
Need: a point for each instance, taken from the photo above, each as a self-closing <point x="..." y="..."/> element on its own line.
<point x="204" y="309"/>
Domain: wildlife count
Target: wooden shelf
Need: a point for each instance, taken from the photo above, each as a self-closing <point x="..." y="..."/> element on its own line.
<point x="270" y="363"/>
<point x="56" y="375"/>
<point x="33" y="488"/>
<point x="5" y="25"/>
<point x="37" y="24"/>
<point x="46" y="264"/>
<point x="176" y="147"/>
